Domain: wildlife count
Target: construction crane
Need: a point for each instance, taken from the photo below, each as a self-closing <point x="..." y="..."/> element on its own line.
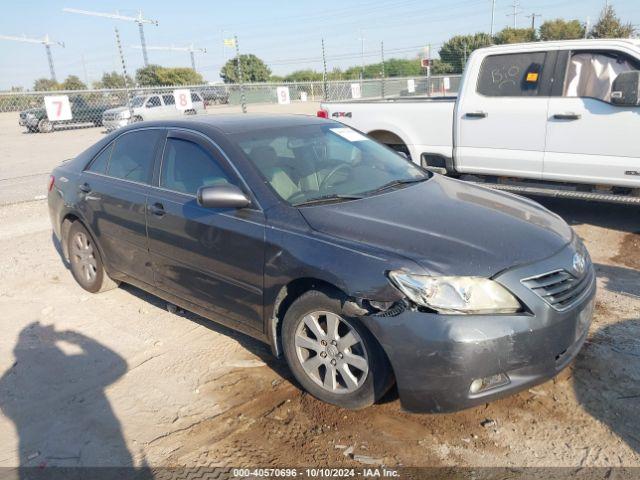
<point x="191" y="49"/>
<point x="139" y="19"/>
<point x="46" y="41"/>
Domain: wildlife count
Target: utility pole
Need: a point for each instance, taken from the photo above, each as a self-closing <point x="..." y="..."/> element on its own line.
<point x="84" y="70"/>
<point x="124" y="73"/>
<point x="324" y="73"/>
<point x="533" y="17"/>
<point x="243" y="100"/>
<point x="587" y="27"/>
<point x="382" y="58"/>
<point x="516" y="12"/>
<point x="46" y="41"/>
<point x="493" y="16"/>
<point x="361" y="55"/>
<point x="139" y="19"/>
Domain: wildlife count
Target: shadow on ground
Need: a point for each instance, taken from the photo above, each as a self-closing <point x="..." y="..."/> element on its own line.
<point x="607" y="379"/>
<point x="54" y="394"/>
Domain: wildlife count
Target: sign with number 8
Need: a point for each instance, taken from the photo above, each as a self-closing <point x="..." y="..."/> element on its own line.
<point x="183" y="99"/>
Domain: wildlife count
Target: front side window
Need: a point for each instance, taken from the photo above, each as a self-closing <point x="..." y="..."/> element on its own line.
<point x="511" y="75"/>
<point x="310" y="163"/>
<point x="169" y="99"/>
<point x="133" y="155"/>
<point x="187" y="166"/>
<point x="591" y="74"/>
<point x="195" y="97"/>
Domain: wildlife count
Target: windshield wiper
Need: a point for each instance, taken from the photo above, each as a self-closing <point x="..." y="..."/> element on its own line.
<point x="395" y="183"/>
<point x="327" y="198"/>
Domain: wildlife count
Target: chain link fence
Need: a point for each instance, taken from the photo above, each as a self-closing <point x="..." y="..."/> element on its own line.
<point x="113" y="108"/>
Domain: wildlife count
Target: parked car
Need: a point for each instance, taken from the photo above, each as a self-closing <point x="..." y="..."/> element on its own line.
<point x="215" y="94"/>
<point x="560" y="117"/>
<point x="357" y="265"/>
<point x="149" y="107"/>
<point x="36" y="120"/>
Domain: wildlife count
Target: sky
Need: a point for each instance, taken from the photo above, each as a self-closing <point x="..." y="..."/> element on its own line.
<point x="285" y="34"/>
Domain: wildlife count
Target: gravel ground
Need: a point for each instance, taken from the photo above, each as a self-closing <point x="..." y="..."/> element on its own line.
<point x="116" y="379"/>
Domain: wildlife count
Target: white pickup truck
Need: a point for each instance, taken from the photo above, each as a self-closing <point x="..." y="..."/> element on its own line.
<point x="546" y="118"/>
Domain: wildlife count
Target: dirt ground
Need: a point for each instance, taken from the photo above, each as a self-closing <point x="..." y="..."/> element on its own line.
<point x="116" y="379"/>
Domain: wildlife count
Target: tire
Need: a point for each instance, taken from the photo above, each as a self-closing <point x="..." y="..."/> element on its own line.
<point x="313" y="358"/>
<point x="45" y="126"/>
<point x="136" y="119"/>
<point x="85" y="260"/>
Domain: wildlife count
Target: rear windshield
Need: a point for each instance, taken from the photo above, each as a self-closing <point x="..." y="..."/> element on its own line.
<point x="316" y="161"/>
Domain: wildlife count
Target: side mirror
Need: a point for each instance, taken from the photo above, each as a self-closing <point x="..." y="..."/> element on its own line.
<point x="403" y="154"/>
<point x="625" y="91"/>
<point x="222" y="196"/>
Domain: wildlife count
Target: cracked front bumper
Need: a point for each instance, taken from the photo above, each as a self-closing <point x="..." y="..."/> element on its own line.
<point x="436" y="357"/>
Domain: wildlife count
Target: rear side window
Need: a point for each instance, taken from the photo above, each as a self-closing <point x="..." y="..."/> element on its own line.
<point x="100" y="162"/>
<point x="195" y="97"/>
<point x="187" y="166"/>
<point x="133" y="155"/>
<point x="154" y="102"/>
<point x="511" y="75"/>
<point x="169" y="99"/>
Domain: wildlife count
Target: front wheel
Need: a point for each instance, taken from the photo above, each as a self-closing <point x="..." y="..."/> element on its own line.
<point x="333" y="356"/>
<point x="86" y="264"/>
<point x="45" y="126"/>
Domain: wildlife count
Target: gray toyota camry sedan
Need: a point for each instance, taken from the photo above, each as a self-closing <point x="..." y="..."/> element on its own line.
<point x="358" y="266"/>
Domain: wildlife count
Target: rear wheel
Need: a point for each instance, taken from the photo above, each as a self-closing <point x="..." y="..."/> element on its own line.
<point x="333" y="356"/>
<point x="86" y="264"/>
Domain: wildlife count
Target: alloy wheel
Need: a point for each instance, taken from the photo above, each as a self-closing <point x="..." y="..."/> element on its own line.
<point x="83" y="256"/>
<point x="331" y="352"/>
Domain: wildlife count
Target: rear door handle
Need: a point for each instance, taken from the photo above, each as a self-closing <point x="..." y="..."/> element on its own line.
<point x="478" y="114"/>
<point x="567" y="116"/>
<point x="157" y="209"/>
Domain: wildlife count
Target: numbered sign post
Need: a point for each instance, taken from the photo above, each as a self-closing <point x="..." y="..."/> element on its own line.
<point x="58" y="107"/>
<point x="303" y="96"/>
<point x="411" y="85"/>
<point x="446" y="83"/>
<point x="355" y="90"/>
<point x="283" y="95"/>
<point x="183" y="99"/>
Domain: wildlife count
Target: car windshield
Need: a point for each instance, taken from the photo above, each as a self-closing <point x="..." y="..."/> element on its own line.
<point x="314" y="163"/>
<point x="137" y="101"/>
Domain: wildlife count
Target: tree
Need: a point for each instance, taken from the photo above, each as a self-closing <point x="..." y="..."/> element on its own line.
<point x="155" y="75"/>
<point x="303" y="76"/>
<point x="456" y="50"/>
<point x="610" y="26"/>
<point x="253" y="70"/>
<point x="112" y="80"/>
<point x="45" y="85"/>
<point x="559" y="29"/>
<point x="72" y="82"/>
<point x="515" y="35"/>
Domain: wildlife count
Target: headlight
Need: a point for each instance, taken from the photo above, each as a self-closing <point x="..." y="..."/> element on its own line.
<point x="467" y="295"/>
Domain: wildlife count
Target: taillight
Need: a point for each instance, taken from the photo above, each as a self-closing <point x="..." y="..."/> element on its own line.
<point x="322" y="114"/>
<point x="52" y="180"/>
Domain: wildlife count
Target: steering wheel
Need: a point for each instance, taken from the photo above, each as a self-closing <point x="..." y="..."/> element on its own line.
<point x="335" y="170"/>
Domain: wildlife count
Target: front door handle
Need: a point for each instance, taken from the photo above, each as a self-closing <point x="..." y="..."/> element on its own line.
<point x="478" y="114"/>
<point x="157" y="209"/>
<point x="567" y="116"/>
<point x="84" y="188"/>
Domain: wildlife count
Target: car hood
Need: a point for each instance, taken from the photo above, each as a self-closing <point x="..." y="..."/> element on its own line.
<point x="117" y="110"/>
<point x="447" y="226"/>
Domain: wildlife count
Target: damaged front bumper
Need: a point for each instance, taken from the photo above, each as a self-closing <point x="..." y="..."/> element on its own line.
<point x="445" y="363"/>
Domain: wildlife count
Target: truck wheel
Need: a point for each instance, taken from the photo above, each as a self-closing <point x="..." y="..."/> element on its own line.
<point x="333" y="356"/>
<point x="45" y="126"/>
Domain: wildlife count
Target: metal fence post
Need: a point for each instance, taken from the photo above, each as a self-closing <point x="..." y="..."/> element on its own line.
<point x="382" y="57"/>
<point x="124" y="72"/>
<point x="243" y="101"/>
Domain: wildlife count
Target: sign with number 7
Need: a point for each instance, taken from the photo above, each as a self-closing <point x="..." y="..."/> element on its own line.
<point x="58" y="107"/>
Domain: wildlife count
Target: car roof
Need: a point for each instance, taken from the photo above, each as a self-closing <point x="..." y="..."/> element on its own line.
<point x="244" y="122"/>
